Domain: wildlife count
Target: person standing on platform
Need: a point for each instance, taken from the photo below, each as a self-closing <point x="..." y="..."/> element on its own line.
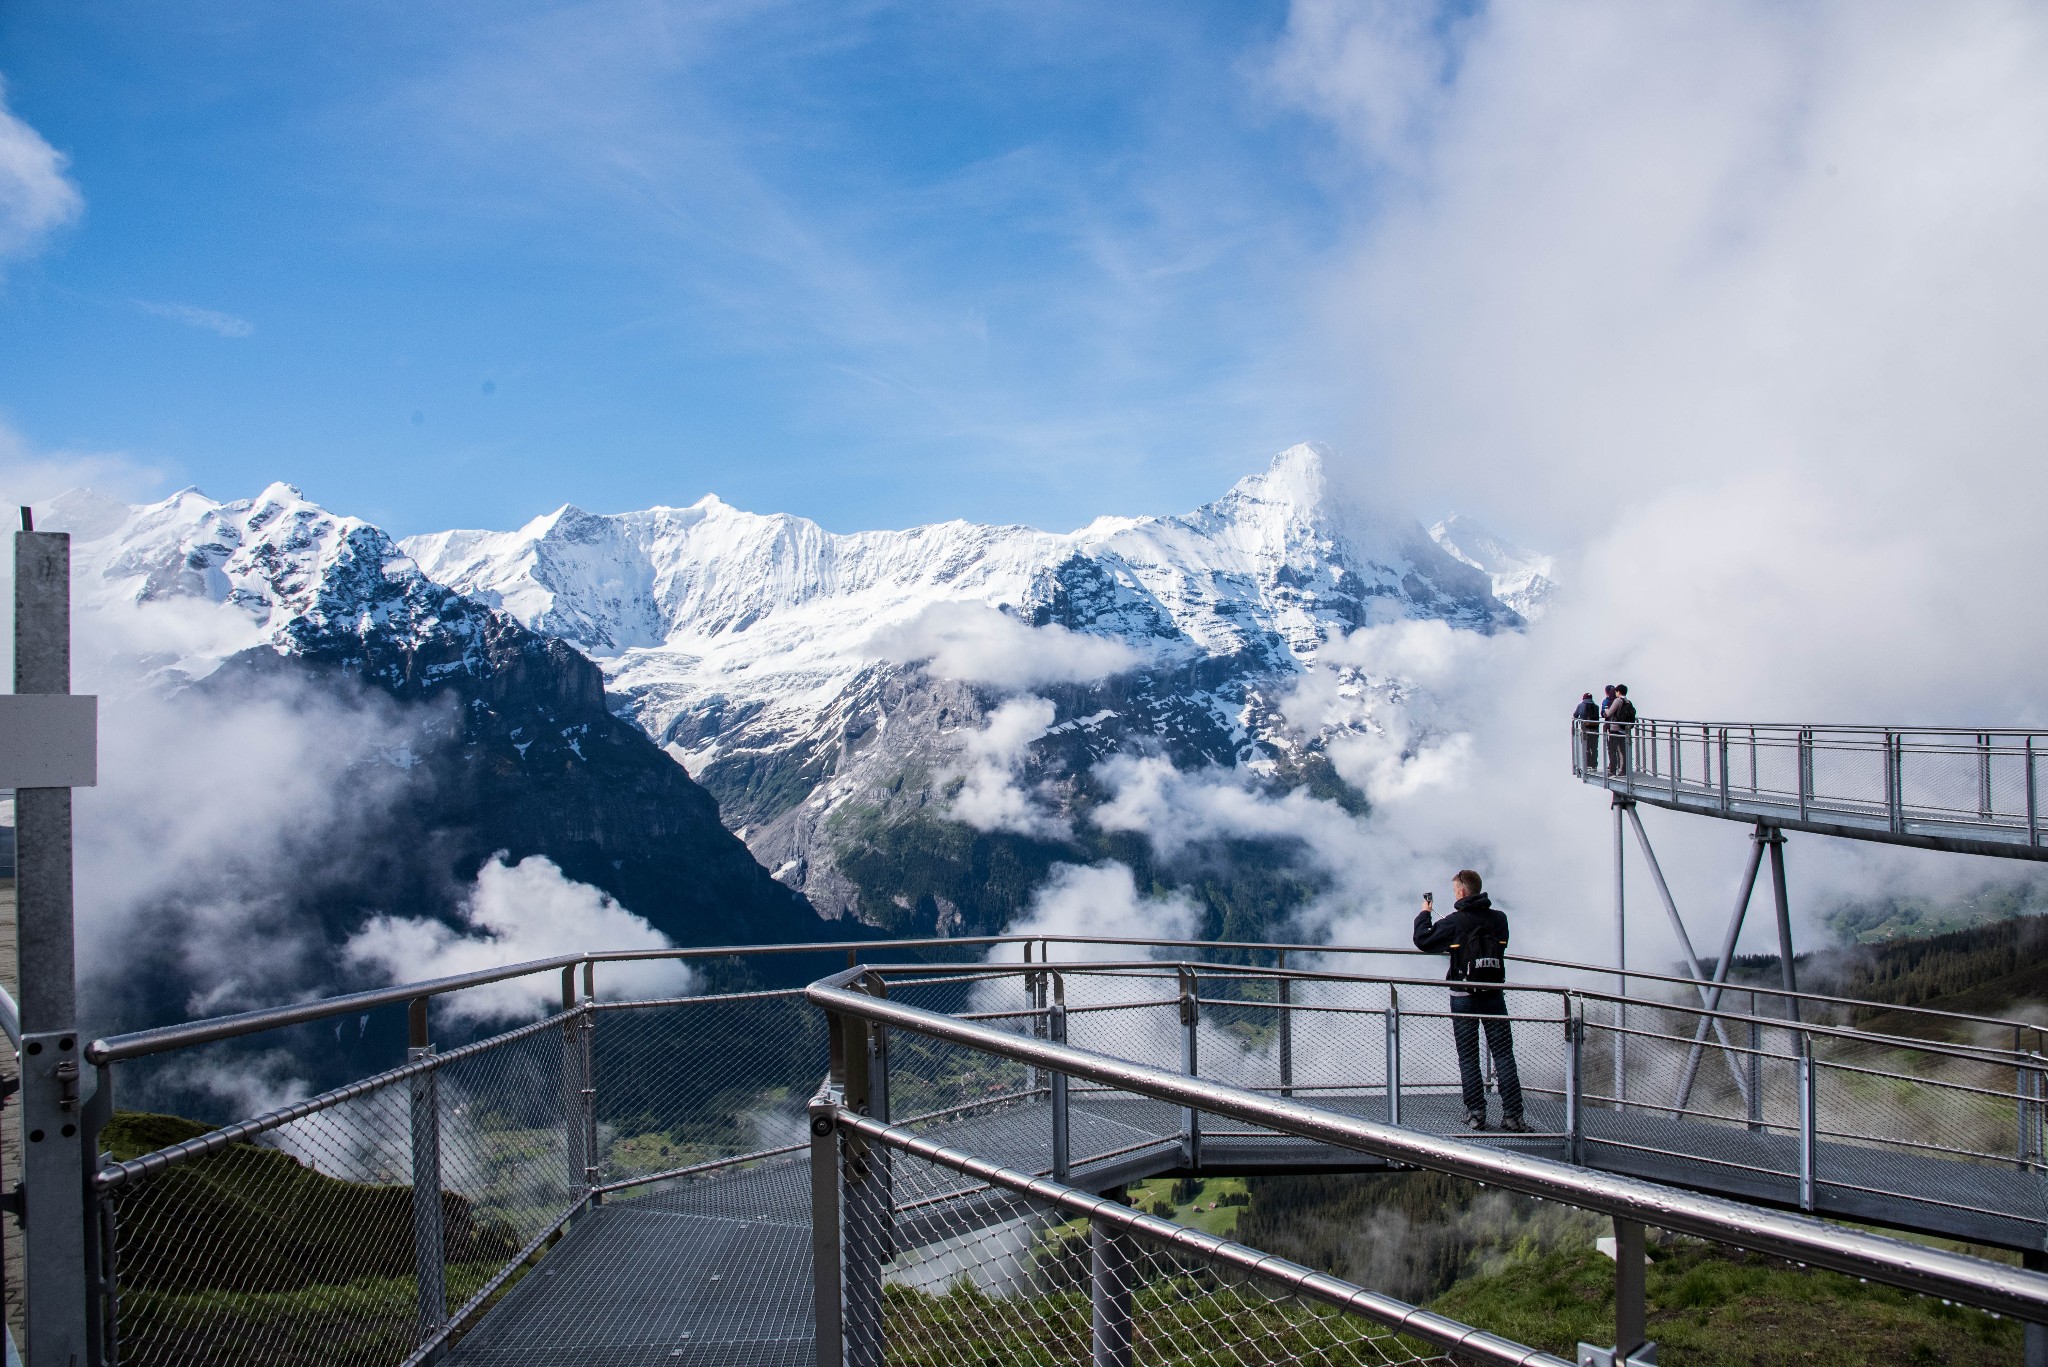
<point x="1621" y="725"/>
<point x="1587" y="715"/>
<point x="1475" y="936"/>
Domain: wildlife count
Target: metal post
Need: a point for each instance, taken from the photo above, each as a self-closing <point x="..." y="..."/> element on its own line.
<point x="2033" y="823"/>
<point x="1724" y="768"/>
<point x="2034" y="1337"/>
<point x="1756" y="1067"/>
<point x="1031" y="1081"/>
<point x="574" y="1135"/>
<point x="56" y="1204"/>
<point x="1805" y="768"/>
<point x="2024" y="1093"/>
<point x="1893" y="791"/>
<point x="586" y="1035"/>
<point x="1984" y="776"/>
<point x="1393" y="1056"/>
<point x="1620" y="958"/>
<point x="1574" y="1049"/>
<point x="825" y="1227"/>
<point x="1190" y="1118"/>
<point x="1109" y="1291"/>
<point x="1752" y="762"/>
<point x="864" y="1234"/>
<point x="1061" y="1153"/>
<point x="1808" y="1125"/>
<point x="1631" y="1318"/>
<point x="429" y="1235"/>
<point x="1283" y="991"/>
<point x="1677" y="762"/>
<point x="1787" y="970"/>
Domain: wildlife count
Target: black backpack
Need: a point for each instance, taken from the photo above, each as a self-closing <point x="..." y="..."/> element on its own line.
<point x="1485" y="956"/>
<point x="1625" y="713"/>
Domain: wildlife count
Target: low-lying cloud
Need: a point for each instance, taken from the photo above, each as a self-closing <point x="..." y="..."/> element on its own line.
<point x="515" y="913"/>
<point x="991" y="796"/>
<point x="978" y="644"/>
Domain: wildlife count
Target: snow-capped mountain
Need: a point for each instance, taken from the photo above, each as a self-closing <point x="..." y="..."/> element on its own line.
<point x="798" y="671"/>
<point x="466" y="733"/>
<point x="1522" y="579"/>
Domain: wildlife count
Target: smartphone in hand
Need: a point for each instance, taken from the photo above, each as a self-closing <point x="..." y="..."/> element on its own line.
<point x="1428" y="901"/>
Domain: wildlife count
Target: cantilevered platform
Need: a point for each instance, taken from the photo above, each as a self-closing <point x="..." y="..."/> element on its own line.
<point x="1961" y="791"/>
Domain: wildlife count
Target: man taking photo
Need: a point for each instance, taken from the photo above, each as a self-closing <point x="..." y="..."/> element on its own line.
<point x="1475" y="935"/>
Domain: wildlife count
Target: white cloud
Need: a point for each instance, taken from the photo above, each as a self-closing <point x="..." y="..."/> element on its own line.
<point x="990" y="798"/>
<point x="979" y="644"/>
<point x="518" y="912"/>
<point x="36" y="197"/>
<point x="1102" y="899"/>
<point x="209" y="320"/>
<point x="1746" y="301"/>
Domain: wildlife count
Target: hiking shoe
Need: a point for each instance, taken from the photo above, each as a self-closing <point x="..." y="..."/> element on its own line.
<point x="1516" y="1125"/>
<point x="1475" y="1120"/>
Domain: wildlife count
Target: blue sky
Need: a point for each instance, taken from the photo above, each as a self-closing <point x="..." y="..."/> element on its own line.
<point x="445" y="264"/>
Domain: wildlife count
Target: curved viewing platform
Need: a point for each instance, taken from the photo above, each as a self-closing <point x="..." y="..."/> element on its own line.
<point x="1940" y="788"/>
<point x="929" y="1157"/>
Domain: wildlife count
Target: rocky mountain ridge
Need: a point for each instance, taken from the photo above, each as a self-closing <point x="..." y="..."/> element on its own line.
<point x="826" y="687"/>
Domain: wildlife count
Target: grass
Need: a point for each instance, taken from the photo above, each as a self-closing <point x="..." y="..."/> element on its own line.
<point x="1213" y="1206"/>
<point x="1714" y="1307"/>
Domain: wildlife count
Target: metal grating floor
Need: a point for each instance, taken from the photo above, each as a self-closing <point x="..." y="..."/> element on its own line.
<point x="718" y="1271"/>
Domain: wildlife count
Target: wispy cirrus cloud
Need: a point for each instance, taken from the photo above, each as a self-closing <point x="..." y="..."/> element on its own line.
<point x="36" y="197"/>
<point x="191" y="315"/>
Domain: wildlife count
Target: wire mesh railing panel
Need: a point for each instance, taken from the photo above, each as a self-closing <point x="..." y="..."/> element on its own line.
<point x="943" y="1270"/>
<point x="505" y="1122"/>
<point x="684" y="1083"/>
<point x="296" y="1250"/>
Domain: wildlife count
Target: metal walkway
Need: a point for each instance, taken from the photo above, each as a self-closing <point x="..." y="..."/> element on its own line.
<point x="659" y="1140"/>
<point x="719" y="1272"/>
<point x="1963" y="791"/>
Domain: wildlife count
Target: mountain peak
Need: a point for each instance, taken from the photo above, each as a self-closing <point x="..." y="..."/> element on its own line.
<point x="1297" y="479"/>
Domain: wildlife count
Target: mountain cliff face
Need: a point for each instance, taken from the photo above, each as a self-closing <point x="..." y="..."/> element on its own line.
<point x="500" y="739"/>
<point x="834" y="691"/>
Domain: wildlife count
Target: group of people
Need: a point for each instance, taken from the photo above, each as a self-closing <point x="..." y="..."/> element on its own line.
<point x="1616" y="716"/>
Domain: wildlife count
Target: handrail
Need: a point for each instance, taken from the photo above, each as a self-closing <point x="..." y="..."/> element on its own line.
<point x="1397" y="1314"/>
<point x="1914" y="1267"/>
<point x="1853" y="728"/>
<point x="138" y="1044"/>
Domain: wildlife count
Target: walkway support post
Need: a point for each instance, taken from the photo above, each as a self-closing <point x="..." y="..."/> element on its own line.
<point x="1283" y="993"/>
<point x="56" y="1148"/>
<point x="1621" y="807"/>
<point x="1809" y="1125"/>
<point x="586" y="1034"/>
<point x="825" y="1226"/>
<point x="1393" y="1056"/>
<point x="1061" y="1152"/>
<point x="2034" y="1338"/>
<point x="429" y="1234"/>
<point x="1788" y="974"/>
<point x="1109" y="1290"/>
<point x="1756" y="1067"/>
<point x="1574" y="1042"/>
<point x="864" y="1212"/>
<point x="1190" y="1024"/>
<point x="1631" y="1316"/>
<point x="574" y="1134"/>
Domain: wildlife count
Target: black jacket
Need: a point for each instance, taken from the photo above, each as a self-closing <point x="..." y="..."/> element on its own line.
<point x="1587" y="710"/>
<point x="1475" y="935"/>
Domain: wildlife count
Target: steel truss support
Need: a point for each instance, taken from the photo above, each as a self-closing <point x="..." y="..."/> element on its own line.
<point x="1708" y="999"/>
<point x="1757" y="839"/>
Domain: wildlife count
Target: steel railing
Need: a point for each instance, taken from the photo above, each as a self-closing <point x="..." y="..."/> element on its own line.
<point x="385" y="1217"/>
<point x="867" y="1028"/>
<point x="1945" y="787"/>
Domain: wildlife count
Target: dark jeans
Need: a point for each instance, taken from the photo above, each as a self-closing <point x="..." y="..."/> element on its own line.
<point x="1500" y="1042"/>
<point x="1617" y="751"/>
<point x="1590" y="735"/>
